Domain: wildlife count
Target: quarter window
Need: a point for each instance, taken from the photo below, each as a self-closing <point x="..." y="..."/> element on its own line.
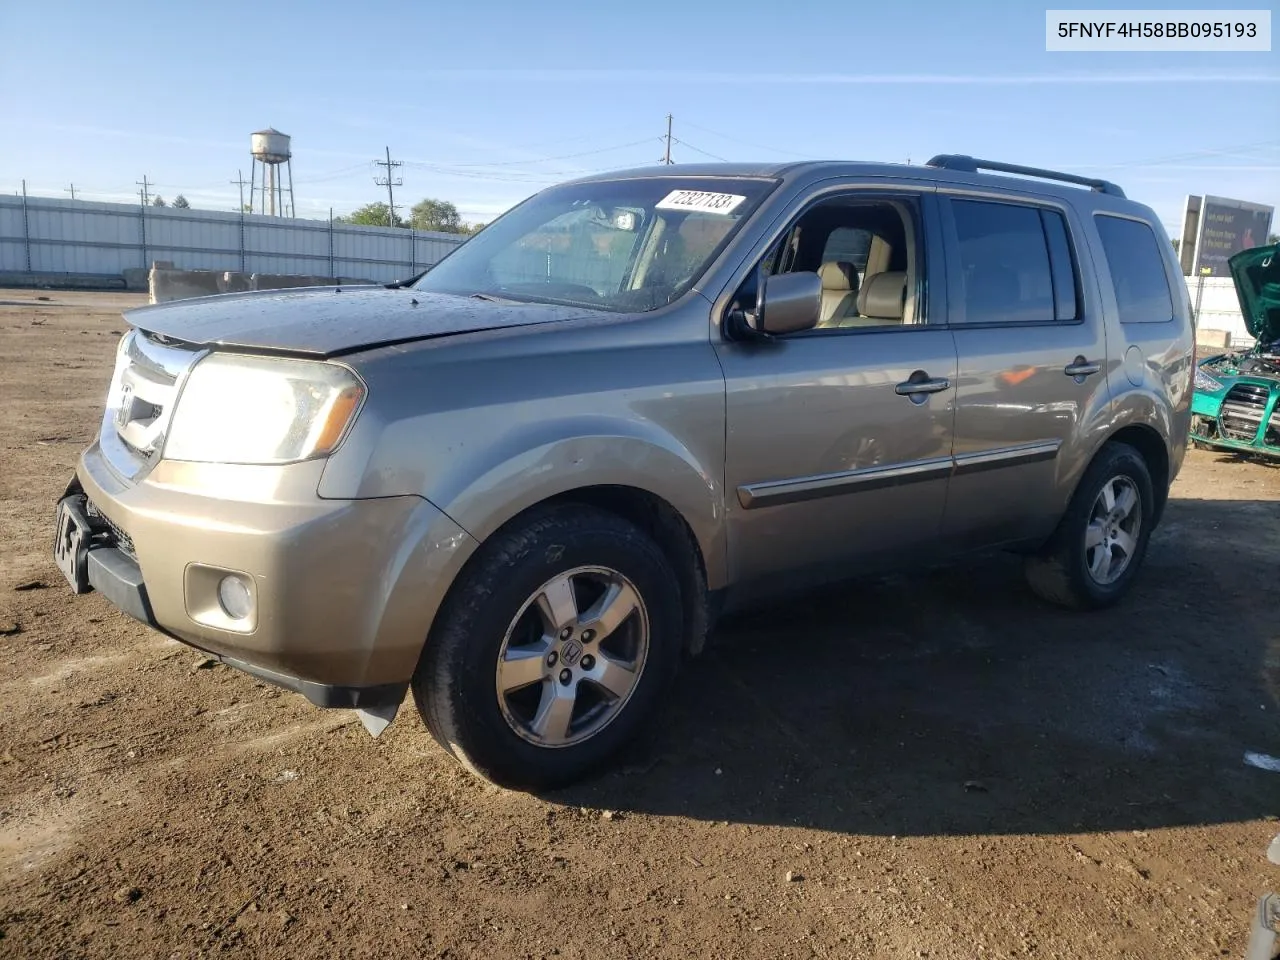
<point x="1064" y="269"/>
<point x="1004" y="263"/>
<point x="1137" y="270"/>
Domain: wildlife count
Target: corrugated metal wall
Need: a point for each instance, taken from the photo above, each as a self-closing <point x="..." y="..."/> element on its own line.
<point x="46" y="235"/>
<point x="1219" y="307"/>
<point x="75" y="236"/>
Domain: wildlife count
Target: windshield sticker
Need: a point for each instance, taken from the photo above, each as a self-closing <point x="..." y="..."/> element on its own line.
<point x="700" y="201"/>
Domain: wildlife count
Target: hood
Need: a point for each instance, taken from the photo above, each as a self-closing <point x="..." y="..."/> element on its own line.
<point x="1257" y="276"/>
<point x="324" y="321"/>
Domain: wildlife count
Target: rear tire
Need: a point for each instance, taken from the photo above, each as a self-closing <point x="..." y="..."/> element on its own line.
<point x="1094" y="555"/>
<point x="553" y="648"/>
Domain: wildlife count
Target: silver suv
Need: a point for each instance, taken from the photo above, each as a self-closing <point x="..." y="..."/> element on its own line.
<point x="525" y="483"/>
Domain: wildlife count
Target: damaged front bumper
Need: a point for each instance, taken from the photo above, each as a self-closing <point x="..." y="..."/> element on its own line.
<point x="338" y="595"/>
<point x="1242" y="418"/>
<point x="93" y="555"/>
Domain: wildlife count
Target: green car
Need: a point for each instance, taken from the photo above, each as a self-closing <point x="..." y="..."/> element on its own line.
<point x="1237" y="397"/>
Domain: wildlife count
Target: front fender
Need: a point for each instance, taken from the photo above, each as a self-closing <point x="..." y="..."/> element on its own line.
<point x="483" y="491"/>
<point x="483" y="482"/>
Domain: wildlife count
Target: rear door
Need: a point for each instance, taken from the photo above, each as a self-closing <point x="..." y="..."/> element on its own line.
<point x="1032" y="356"/>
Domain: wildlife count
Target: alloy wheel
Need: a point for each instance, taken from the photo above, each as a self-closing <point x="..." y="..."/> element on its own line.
<point x="572" y="656"/>
<point x="1111" y="538"/>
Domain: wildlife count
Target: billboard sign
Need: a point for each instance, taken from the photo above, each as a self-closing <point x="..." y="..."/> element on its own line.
<point x="1226" y="227"/>
<point x="1190" y="232"/>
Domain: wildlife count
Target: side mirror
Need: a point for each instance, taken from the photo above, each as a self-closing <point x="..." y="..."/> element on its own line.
<point x="789" y="302"/>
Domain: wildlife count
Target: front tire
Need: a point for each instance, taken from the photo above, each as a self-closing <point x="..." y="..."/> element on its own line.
<point x="1094" y="555"/>
<point x="553" y="648"/>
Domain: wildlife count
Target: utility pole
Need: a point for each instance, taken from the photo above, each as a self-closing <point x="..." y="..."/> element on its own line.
<point x="71" y="190"/>
<point x="240" y="181"/>
<point x="388" y="181"/>
<point x="143" y="193"/>
<point x="666" y="156"/>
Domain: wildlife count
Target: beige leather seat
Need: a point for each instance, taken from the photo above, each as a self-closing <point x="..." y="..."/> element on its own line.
<point x="881" y="301"/>
<point x="839" y="292"/>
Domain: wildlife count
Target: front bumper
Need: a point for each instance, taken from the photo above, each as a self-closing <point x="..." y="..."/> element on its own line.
<point x="344" y="591"/>
<point x="1208" y="429"/>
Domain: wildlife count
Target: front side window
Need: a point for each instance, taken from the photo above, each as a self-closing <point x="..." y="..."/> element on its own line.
<point x="1004" y="263"/>
<point x="620" y="245"/>
<point x="865" y="253"/>
<point x="1137" y="270"/>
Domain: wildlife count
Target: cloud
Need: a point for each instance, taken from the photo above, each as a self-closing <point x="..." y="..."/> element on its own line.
<point x="861" y="79"/>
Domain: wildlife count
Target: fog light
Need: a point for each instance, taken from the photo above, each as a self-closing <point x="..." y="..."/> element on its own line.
<point x="234" y="596"/>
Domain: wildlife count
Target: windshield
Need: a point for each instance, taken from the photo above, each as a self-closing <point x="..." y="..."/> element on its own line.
<point x="623" y="245"/>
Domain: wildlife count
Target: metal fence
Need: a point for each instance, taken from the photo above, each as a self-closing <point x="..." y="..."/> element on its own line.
<point x="47" y="235"/>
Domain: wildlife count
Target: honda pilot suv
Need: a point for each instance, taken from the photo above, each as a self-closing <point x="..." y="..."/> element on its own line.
<point x="526" y="483"/>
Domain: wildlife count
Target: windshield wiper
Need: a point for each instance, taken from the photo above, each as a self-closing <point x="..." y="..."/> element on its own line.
<point x="402" y="284"/>
<point x="491" y="298"/>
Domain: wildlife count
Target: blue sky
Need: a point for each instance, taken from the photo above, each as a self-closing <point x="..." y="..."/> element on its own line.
<point x="487" y="102"/>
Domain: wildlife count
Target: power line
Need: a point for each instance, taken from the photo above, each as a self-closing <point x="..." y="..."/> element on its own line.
<point x="71" y="190"/>
<point x="389" y="182"/>
<point x="666" y="157"/>
<point x="705" y="153"/>
<point x="336" y="174"/>
<point x="539" y="176"/>
<point x="240" y="181"/>
<point x="516" y="163"/>
<point x="746" y="143"/>
<point x="1176" y="158"/>
<point x="143" y="192"/>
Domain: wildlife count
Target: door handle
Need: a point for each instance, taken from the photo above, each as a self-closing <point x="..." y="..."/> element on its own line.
<point x="927" y="384"/>
<point x="1081" y="368"/>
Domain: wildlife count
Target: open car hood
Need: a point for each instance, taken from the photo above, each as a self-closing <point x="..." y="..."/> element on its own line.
<point x="1256" y="272"/>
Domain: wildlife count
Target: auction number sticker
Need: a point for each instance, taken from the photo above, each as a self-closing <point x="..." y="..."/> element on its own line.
<point x="700" y="201"/>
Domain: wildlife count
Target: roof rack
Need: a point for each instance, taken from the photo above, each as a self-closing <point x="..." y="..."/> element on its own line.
<point x="956" y="161"/>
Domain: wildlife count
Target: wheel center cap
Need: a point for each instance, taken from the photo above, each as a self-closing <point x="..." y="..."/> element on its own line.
<point x="571" y="652"/>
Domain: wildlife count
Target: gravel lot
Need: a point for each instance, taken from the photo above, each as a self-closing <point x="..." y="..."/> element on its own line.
<point x="944" y="767"/>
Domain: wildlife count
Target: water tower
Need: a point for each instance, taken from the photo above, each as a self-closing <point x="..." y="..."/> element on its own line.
<point x="270" y="149"/>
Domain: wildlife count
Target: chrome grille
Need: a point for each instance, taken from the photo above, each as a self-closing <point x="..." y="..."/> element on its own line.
<point x="1242" y="411"/>
<point x="147" y="379"/>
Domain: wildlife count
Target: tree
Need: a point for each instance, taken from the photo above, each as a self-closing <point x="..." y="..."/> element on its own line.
<point x="158" y="201"/>
<point x="1177" y="244"/>
<point x="370" y="215"/>
<point x="439" y="215"/>
<point x="181" y="202"/>
<point x="474" y="228"/>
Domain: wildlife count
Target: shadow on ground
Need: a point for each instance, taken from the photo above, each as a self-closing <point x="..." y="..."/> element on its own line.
<point x="956" y="703"/>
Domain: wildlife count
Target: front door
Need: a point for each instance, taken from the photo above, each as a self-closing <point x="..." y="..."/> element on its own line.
<point x="839" y="438"/>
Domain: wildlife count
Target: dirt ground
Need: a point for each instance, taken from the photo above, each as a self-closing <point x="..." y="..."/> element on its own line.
<point x="947" y="768"/>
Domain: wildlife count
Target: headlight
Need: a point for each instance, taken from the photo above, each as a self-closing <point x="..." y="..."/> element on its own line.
<point x="1206" y="382"/>
<point x="239" y="409"/>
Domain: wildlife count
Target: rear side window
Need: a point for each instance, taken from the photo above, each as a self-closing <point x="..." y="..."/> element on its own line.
<point x="1137" y="270"/>
<point x="1006" y="276"/>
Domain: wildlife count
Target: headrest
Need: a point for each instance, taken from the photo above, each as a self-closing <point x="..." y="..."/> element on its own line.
<point x="838" y="275"/>
<point x="883" y="295"/>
